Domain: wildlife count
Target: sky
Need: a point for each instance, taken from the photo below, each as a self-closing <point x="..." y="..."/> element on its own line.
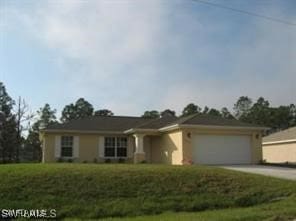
<point x="135" y="55"/>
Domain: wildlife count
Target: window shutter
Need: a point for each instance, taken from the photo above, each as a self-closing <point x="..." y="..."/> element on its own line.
<point x="57" y="149"/>
<point x="101" y="146"/>
<point x="76" y="147"/>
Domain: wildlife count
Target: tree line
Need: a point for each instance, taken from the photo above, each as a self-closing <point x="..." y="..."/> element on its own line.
<point x="17" y="120"/>
<point x="245" y="110"/>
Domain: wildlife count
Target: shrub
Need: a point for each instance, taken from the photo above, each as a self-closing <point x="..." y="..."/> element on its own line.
<point x="187" y="161"/>
<point x="85" y="161"/>
<point x="107" y="160"/>
<point x="95" y="160"/>
<point x="121" y="160"/>
<point x="70" y="160"/>
<point x="263" y="161"/>
<point x="60" y="160"/>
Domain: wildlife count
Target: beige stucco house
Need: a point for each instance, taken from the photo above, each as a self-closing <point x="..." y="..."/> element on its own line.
<point x="280" y="147"/>
<point x="197" y="139"/>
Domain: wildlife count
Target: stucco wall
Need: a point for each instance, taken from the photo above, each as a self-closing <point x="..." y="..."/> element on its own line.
<point x="88" y="147"/>
<point x="280" y="153"/>
<point x="48" y="144"/>
<point x="255" y="136"/>
<point x="256" y="148"/>
<point x="147" y="148"/>
<point x="171" y="147"/>
<point x="155" y="142"/>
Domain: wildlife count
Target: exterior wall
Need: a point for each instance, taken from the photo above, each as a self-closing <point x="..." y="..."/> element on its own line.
<point x="280" y="153"/>
<point x="88" y="147"/>
<point x="256" y="141"/>
<point x="155" y="142"/>
<point x="256" y="148"/>
<point x="172" y="147"/>
<point x="48" y="141"/>
<point x="147" y="149"/>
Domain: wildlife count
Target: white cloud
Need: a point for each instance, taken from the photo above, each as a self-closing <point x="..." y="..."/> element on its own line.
<point x="130" y="56"/>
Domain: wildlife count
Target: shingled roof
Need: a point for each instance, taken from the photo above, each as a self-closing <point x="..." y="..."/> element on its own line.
<point x="158" y="123"/>
<point x="288" y="134"/>
<point x="204" y="119"/>
<point x="123" y="123"/>
<point x="101" y="123"/>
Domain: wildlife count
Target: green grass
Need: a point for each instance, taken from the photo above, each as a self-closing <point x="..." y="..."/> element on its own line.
<point x="276" y="211"/>
<point x="101" y="191"/>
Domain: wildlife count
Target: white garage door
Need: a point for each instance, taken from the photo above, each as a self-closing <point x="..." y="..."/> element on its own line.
<point x="215" y="149"/>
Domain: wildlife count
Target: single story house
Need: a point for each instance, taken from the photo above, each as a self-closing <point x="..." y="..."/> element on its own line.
<point x="197" y="139"/>
<point x="280" y="147"/>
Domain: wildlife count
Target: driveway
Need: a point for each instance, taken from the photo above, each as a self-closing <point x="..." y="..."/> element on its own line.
<point x="280" y="172"/>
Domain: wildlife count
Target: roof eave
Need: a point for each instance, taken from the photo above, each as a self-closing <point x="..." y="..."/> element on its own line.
<point x="198" y="126"/>
<point x="278" y="142"/>
<point x="222" y="127"/>
<point x="80" y="131"/>
<point x="140" y="130"/>
<point x="169" y="128"/>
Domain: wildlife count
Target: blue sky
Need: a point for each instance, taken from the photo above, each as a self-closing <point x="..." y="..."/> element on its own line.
<point x="132" y="56"/>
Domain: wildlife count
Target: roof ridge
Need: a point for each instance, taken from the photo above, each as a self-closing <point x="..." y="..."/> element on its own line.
<point x="186" y="118"/>
<point x="155" y="120"/>
<point x="98" y="116"/>
<point x="118" y="116"/>
<point x="181" y="120"/>
<point x="148" y="122"/>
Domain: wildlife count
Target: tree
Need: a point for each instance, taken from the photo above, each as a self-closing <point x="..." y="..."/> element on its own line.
<point x="8" y="140"/>
<point x="8" y="126"/>
<point x="46" y="117"/>
<point x="153" y="114"/>
<point x="2" y="118"/>
<point x="226" y="114"/>
<point x="168" y="113"/>
<point x="292" y="114"/>
<point x="214" y="112"/>
<point x="33" y="148"/>
<point x="242" y="107"/>
<point x="22" y="116"/>
<point x="103" y="112"/>
<point x="205" y="110"/>
<point x="259" y="113"/>
<point x="282" y="117"/>
<point x="80" y="109"/>
<point x="191" y="109"/>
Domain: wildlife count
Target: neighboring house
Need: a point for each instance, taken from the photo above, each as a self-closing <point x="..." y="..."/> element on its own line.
<point x="280" y="147"/>
<point x="198" y="139"/>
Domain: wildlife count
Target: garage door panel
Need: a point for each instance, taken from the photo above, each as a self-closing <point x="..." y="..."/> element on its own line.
<point x="224" y="149"/>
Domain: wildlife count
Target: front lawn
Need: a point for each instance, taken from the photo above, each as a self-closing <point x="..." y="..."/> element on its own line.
<point x="276" y="211"/>
<point x="102" y="190"/>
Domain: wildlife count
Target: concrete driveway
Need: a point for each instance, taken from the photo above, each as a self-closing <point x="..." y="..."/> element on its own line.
<point x="280" y="172"/>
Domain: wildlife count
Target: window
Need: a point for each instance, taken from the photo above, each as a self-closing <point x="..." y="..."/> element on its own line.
<point x="66" y="146"/>
<point x="109" y="146"/>
<point x="121" y="147"/>
<point x="115" y="147"/>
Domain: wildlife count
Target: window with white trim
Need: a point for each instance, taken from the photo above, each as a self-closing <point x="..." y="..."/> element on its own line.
<point x="66" y="146"/>
<point x="121" y="146"/>
<point x="115" y="147"/>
